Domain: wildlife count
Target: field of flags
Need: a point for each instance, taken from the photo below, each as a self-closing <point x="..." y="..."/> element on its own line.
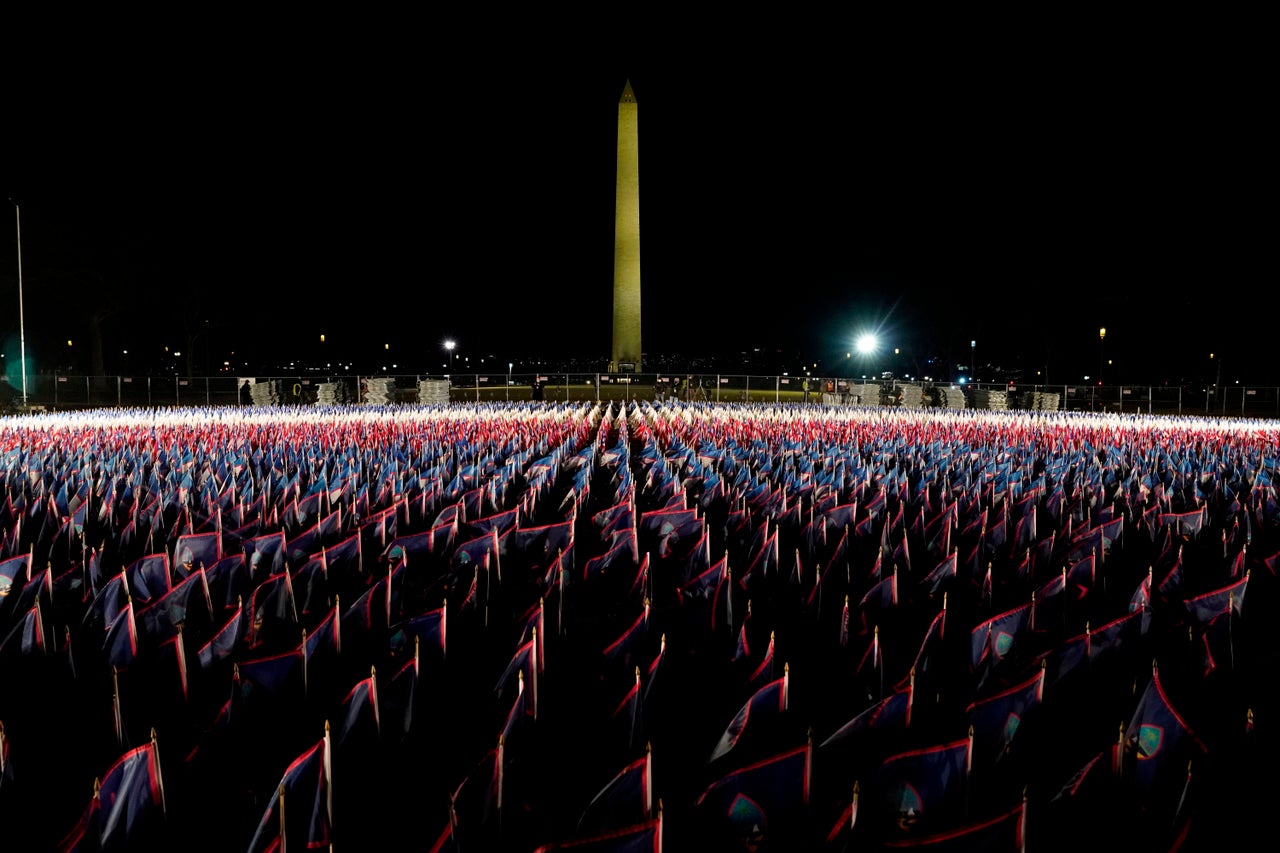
<point x="595" y="626"/>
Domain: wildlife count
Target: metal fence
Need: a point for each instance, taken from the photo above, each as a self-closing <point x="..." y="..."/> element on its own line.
<point x="70" y="392"/>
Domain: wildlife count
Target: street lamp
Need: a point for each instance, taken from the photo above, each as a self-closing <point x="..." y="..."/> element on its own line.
<point x="449" y="345"/>
<point x="1102" y="337"/>
<point x="22" y="327"/>
<point x="973" y="359"/>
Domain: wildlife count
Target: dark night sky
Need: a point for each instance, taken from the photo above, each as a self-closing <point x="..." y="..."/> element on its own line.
<point x="1021" y="199"/>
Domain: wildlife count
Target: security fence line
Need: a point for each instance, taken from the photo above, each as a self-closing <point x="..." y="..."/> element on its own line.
<point x="64" y="392"/>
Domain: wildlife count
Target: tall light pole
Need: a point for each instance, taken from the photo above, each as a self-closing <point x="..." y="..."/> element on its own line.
<point x="22" y="326"/>
<point x="1102" y="337"/>
<point x="449" y="345"/>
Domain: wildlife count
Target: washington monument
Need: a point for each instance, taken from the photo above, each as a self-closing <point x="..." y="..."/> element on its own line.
<point x="626" y="240"/>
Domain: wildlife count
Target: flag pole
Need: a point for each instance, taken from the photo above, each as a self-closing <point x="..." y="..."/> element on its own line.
<point x="648" y="780"/>
<point x="328" y="775"/>
<point x="115" y="706"/>
<point x="155" y="756"/>
<point x="304" y="661"/>
<point x="284" y="844"/>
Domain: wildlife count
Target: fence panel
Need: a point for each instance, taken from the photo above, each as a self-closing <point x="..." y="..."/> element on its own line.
<point x="54" y="392"/>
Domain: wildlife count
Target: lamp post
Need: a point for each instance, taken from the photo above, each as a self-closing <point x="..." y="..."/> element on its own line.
<point x="22" y="327"/>
<point x="449" y="345"/>
<point x="973" y="360"/>
<point x="1102" y="337"/>
<point x="509" y="366"/>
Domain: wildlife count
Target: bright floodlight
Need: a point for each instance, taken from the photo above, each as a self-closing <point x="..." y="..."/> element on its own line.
<point x="866" y="344"/>
<point x="449" y="345"/>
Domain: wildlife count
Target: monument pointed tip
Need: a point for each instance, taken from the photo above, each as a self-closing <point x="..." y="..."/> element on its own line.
<point x="628" y="94"/>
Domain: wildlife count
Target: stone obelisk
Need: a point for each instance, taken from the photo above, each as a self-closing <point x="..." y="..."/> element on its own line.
<point x="626" y="240"/>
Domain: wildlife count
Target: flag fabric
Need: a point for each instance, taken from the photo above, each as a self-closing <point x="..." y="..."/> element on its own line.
<point x="1003" y="833"/>
<point x="523" y="664"/>
<point x="300" y="814"/>
<point x="163" y="617"/>
<point x="625" y="800"/>
<point x="1186" y="524"/>
<point x="763" y="672"/>
<point x="760" y="712"/>
<point x="344" y="559"/>
<point x="323" y="644"/>
<point x="1158" y="738"/>
<point x="537" y="545"/>
<point x="628" y="648"/>
<point x="882" y="597"/>
<point x="356" y="721"/>
<point x="265" y="555"/>
<point x="279" y="680"/>
<point x="197" y="549"/>
<point x="944" y="572"/>
<point x="1050" y="606"/>
<point x="428" y="629"/>
<point x="923" y="789"/>
<point x="228" y="581"/>
<point x="225" y="642"/>
<point x="996" y="638"/>
<point x="272" y="610"/>
<point x="13" y="572"/>
<point x="1099" y="773"/>
<point x="643" y="837"/>
<point x="890" y="713"/>
<point x="311" y="589"/>
<point x="762" y="801"/>
<point x="476" y="804"/>
<point x="120" y="648"/>
<point x="623" y="554"/>
<point x="1201" y="609"/>
<point x="1141" y="598"/>
<point x="929" y="657"/>
<point x="27" y="636"/>
<point x="397" y="697"/>
<point x="995" y="720"/>
<point x="628" y="717"/>
<point x="131" y="798"/>
<point x="149" y="577"/>
<point x="85" y="836"/>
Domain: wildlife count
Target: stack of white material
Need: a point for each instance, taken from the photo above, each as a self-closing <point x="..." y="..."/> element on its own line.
<point x="265" y="393"/>
<point x="433" y="391"/>
<point x="331" y="393"/>
<point x="864" y="395"/>
<point x="380" y="391"/>
<point x="950" y="398"/>
<point x="912" y="396"/>
<point x="995" y="400"/>
<point x="1041" y="400"/>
